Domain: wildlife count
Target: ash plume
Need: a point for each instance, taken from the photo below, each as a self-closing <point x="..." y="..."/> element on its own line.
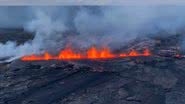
<point x="90" y="25"/>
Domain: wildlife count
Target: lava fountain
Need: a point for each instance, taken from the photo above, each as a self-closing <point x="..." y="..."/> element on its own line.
<point x="91" y="53"/>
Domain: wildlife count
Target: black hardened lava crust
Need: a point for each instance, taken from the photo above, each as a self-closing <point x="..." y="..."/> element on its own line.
<point x="136" y="80"/>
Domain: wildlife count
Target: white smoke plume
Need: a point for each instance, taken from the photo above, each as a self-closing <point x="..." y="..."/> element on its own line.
<point x="93" y="25"/>
<point x="46" y="30"/>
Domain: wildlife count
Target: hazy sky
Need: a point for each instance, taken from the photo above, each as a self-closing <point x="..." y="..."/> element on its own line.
<point x="92" y="2"/>
<point x="19" y="16"/>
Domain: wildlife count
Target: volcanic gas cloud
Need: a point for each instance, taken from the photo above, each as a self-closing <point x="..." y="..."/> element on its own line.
<point x="91" y="53"/>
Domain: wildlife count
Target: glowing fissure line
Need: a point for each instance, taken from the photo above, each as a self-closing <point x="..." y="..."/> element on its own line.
<point x="92" y="53"/>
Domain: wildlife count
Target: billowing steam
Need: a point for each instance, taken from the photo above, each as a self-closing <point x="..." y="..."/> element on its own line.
<point x="105" y="25"/>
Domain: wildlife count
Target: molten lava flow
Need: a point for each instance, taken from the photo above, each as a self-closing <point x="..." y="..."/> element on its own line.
<point x="69" y="54"/>
<point x="146" y="52"/>
<point x="105" y="53"/>
<point x="134" y="53"/>
<point x="92" y="53"/>
<point x="47" y="56"/>
<point x="31" y="58"/>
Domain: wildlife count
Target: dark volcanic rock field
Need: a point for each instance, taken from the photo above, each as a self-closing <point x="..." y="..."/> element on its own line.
<point x="139" y="80"/>
<point x="158" y="79"/>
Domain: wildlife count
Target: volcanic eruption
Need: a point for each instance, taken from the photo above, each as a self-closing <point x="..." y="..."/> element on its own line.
<point x="91" y="53"/>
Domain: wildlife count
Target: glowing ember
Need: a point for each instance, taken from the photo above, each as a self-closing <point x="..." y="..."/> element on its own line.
<point x="92" y="53"/>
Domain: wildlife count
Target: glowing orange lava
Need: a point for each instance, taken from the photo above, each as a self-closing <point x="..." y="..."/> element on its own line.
<point x="92" y="53"/>
<point x="68" y="54"/>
